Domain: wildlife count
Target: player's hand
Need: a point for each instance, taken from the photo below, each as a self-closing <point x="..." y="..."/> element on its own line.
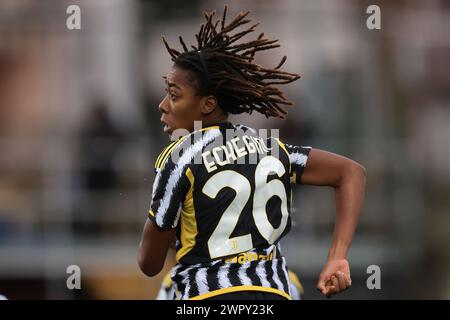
<point x="335" y="277"/>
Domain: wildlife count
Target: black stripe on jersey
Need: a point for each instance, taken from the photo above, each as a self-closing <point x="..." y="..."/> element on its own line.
<point x="254" y="278"/>
<point x="212" y="278"/>
<point x="270" y="274"/>
<point x="193" y="290"/>
<point x="233" y="276"/>
<point x="177" y="278"/>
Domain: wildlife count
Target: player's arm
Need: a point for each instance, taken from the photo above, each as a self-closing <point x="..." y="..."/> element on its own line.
<point x="169" y="190"/>
<point x="347" y="177"/>
<point x="153" y="248"/>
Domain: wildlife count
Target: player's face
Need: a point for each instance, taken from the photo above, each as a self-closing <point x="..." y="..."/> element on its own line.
<point x="180" y="106"/>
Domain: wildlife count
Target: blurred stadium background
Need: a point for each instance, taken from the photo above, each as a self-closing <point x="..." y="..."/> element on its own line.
<point x="80" y="130"/>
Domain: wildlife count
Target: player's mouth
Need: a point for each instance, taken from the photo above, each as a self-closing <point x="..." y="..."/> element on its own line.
<point x="166" y="127"/>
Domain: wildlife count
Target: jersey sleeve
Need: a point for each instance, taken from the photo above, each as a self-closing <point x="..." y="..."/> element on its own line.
<point x="169" y="190"/>
<point x="298" y="157"/>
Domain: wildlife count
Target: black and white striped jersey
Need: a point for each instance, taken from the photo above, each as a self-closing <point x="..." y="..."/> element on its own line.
<point x="168" y="290"/>
<point x="227" y="190"/>
<point x="204" y="280"/>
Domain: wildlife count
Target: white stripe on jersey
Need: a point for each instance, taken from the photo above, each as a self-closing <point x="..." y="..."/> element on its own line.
<point x="156" y="183"/>
<point x="224" y="282"/>
<point x="276" y="278"/>
<point x="200" y="279"/>
<point x="298" y="158"/>
<point x="284" y="268"/>
<point x="261" y="273"/>
<point x="175" y="176"/>
<point x="242" y="274"/>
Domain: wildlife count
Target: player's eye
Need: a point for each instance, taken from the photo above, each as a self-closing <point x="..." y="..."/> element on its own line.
<point x="171" y="95"/>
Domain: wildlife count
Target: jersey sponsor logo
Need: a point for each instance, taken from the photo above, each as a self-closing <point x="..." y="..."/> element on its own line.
<point x="248" y="256"/>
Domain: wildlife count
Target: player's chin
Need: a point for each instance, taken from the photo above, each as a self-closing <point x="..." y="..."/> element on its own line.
<point x="167" y="129"/>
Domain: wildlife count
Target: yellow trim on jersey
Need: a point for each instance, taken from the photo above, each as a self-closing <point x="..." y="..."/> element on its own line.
<point x="282" y="146"/>
<point x="150" y="212"/>
<point x="163" y="153"/>
<point x="241" y="288"/>
<point x="287" y="153"/>
<point x="167" y="152"/>
<point x="209" y="128"/>
<point x="296" y="281"/>
<point x="188" y="222"/>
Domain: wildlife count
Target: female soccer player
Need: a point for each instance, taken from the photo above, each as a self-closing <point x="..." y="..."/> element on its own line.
<point x="222" y="191"/>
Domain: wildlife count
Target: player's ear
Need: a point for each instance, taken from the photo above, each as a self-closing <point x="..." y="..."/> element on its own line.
<point x="209" y="105"/>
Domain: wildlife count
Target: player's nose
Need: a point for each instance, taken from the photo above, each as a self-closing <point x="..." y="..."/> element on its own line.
<point x="163" y="104"/>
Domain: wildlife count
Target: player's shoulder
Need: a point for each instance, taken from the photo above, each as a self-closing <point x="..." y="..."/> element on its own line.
<point x="166" y="152"/>
<point x="293" y="148"/>
<point x="188" y="144"/>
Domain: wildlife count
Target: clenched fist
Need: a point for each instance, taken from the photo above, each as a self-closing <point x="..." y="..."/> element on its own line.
<point x="335" y="277"/>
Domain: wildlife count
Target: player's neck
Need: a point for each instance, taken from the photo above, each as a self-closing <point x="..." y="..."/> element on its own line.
<point x="214" y="120"/>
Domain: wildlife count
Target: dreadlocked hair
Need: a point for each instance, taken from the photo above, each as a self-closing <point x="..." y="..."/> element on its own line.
<point x="226" y="69"/>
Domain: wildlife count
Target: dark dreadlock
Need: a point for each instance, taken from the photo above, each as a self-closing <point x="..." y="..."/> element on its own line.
<point x="226" y="69"/>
